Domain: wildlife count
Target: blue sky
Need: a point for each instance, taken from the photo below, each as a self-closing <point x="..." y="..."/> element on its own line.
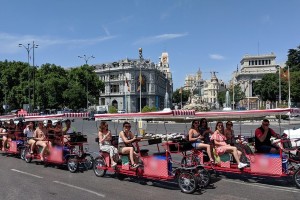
<point x="212" y="35"/>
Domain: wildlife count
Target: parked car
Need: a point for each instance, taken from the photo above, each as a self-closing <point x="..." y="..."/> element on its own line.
<point x="121" y="111"/>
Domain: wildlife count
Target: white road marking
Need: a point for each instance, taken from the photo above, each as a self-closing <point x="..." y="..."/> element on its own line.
<point x="273" y="187"/>
<point x="80" y="188"/>
<point x="29" y="174"/>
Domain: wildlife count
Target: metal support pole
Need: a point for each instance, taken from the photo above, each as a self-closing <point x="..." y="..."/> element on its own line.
<point x="140" y="78"/>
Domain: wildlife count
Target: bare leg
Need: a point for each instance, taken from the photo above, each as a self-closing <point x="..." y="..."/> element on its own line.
<point x="233" y="150"/>
<point x="128" y="150"/>
<point x="208" y="150"/>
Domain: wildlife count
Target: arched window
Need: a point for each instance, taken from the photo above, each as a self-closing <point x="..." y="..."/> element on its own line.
<point x="115" y="103"/>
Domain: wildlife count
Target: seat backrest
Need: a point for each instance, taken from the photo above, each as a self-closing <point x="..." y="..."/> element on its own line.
<point x="287" y="144"/>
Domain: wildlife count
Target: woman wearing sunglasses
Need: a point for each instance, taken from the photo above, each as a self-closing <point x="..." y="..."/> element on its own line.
<point x="197" y="139"/>
<point x="221" y="146"/>
<point x="126" y="138"/>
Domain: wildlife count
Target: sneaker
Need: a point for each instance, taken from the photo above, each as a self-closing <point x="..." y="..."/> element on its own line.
<point x="242" y="165"/>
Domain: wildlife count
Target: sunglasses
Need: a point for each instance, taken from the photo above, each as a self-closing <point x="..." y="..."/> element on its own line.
<point x="266" y="124"/>
<point x="229" y="124"/>
<point x="127" y="126"/>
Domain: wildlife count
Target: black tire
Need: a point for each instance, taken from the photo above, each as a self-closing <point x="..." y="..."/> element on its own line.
<point x="99" y="162"/>
<point x="296" y="178"/>
<point x="203" y="177"/>
<point x="72" y="164"/>
<point x="28" y="157"/>
<point x="89" y="162"/>
<point x="188" y="183"/>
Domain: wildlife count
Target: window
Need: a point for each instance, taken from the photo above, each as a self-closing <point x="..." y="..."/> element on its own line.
<point x="114" y="77"/>
<point x="114" y="88"/>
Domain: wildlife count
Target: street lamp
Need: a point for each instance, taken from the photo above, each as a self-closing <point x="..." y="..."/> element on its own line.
<point x="28" y="49"/>
<point x="34" y="46"/>
<point x="140" y="76"/>
<point x="86" y="59"/>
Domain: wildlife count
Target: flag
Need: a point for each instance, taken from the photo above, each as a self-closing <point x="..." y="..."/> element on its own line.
<point x="284" y="75"/>
<point x="127" y="83"/>
<point x="140" y="82"/>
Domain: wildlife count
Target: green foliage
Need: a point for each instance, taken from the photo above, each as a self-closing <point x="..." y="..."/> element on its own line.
<point x="50" y="86"/>
<point x="221" y="98"/>
<point x="112" y="109"/>
<point x="294" y="59"/>
<point x="267" y="87"/>
<point x="177" y="96"/>
<point x="149" y="109"/>
<point x="283" y="117"/>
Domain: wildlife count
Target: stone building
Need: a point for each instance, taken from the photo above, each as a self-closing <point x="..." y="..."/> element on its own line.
<point x="121" y="79"/>
<point x="252" y="69"/>
<point x="204" y="90"/>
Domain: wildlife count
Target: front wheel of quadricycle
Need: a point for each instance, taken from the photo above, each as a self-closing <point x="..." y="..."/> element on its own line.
<point x="89" y="161"/>
<point x="296" y="178"/>
<point x="28" y="156"/>
<point x="98" y="166"/>
<point x="204" y="177"/>
<point x="187" y="182"/>
<point x="72" y="164"/>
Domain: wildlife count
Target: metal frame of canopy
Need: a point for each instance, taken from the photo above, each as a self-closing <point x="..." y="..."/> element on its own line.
<point x="7" y="117"/>
<point x="244" y="113"/>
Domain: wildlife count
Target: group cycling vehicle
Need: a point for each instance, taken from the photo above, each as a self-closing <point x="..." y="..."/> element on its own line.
<point x="165" y="159"/>
<point x="192" y="172"/>
<point x="60" y="149"/>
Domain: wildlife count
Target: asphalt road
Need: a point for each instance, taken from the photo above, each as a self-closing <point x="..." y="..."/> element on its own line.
<point x="20" y="180"/>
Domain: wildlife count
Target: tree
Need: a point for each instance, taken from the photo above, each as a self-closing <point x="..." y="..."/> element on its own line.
<point x="267" y="87"/>
<point x="238" y="93"/>
<point x="177" y="96"/>
<point x="294" y="59"/>
<point x="293" y="63"/>
<point x="49" y="86"/>
<point x="221" y="97"/>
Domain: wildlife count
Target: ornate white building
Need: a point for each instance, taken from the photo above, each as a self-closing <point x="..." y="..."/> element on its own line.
<point x="121" y="80"/>
<point x="206" y="90"/>
<point x="252" y="69"/>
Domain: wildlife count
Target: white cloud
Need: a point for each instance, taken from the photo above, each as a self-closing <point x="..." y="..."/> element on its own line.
<point x="159" y="38"/>
<point x="10" y="42"/>
<point x="106" y="30"/>
<point x="216" y="57"/>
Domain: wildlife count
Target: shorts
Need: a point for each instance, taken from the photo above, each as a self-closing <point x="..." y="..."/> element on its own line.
<point x="196" y="144"/>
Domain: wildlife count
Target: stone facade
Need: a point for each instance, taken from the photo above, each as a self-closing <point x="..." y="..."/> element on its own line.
<point x="121" y="79"/>
<point x="252" y="69"/>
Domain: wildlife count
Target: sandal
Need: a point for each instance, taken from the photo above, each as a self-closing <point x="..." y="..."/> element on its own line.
<point x="134" y="166"/>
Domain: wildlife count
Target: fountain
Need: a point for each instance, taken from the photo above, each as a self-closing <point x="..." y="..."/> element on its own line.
<point x="227" y="106"/>
<point x="166" y="100"/>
